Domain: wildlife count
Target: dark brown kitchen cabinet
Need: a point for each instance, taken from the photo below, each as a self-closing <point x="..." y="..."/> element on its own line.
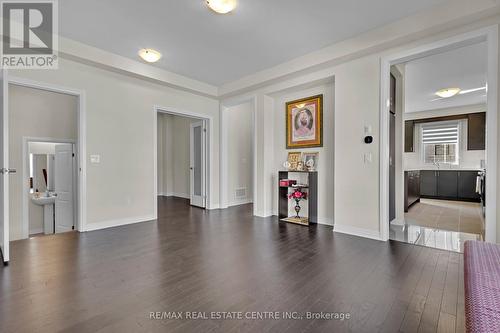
<point x="412" y="188"/>
<point x="409" y="135"/>
<point x="467" y="185"/>
<point x="476" y="130"/>
<point x="447" y="185"/>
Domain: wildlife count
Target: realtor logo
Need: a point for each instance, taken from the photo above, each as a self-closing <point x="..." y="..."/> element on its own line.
<point x="29" y="30"/>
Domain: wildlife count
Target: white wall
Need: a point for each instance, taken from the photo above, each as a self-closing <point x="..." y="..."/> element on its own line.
<point x="240" y="152"/>
<point x="325" y="165"/>
<point x="34" y="113"/>
<point x="357" y="103"/>
<point x="180" y="156"/>
<point x="468" y="159"/>
<point x="119" y="127"/>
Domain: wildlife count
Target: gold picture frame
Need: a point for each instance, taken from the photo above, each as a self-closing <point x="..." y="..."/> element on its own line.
<point x="294" y="158"/>
<point x="304" y="123"/>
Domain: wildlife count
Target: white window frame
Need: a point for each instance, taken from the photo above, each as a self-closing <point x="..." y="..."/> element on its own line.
<point x="458" y="147"/>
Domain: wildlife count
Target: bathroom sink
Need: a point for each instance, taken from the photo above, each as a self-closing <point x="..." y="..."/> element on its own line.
<point x="43" y="199"/>
<point x="46" y="200"/>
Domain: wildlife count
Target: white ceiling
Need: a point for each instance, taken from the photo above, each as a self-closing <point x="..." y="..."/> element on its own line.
<point x="218" y="49"/>
<point x="463" y="68"/>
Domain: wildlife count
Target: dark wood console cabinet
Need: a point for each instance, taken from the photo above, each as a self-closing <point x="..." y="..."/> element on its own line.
<point x="312" y="195"/>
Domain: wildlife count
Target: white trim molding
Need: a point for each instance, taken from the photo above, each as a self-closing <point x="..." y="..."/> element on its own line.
<point x="490" y="35"/>
<point x="360" y="232"/>
<point x="119" y="222"/>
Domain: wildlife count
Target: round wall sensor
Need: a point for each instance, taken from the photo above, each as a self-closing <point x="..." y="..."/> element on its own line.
<point x="368" y="139"/>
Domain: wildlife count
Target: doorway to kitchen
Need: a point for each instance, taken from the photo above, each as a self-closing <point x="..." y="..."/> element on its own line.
<point x="438" y="143"/>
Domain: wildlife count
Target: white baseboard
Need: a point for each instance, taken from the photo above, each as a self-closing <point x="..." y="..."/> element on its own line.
<point x="36" y="231"/>
<point x="360" y="232"/>
<point x="239" y="202"/>
<point x="325" y="221"/>
<point x="180" y="195"/>
<point x="263" y="214"/>
<point x="118" y="222"/>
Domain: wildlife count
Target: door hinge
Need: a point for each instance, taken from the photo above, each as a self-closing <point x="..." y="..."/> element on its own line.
<point x="73" y="154"/>
<point x="205" y="130"/>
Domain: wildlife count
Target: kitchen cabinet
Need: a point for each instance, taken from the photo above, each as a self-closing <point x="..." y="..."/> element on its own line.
<point x="449" y="185"/>
<point x="467" y="185"/>
<point x="428" y="183"/>
<point x="409" y="136"/>
<point x="412" y="188"/>
<point x="476" y="131"/>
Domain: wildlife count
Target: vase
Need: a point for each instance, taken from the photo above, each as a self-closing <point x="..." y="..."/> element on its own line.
<point x="297" y="208"/>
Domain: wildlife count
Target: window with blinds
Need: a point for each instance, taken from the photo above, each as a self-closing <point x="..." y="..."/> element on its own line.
<point x="440" y="142"/>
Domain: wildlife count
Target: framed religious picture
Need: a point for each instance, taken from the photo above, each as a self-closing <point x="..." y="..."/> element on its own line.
<point x="294" y="158"/>
<point x="304" y="123"/>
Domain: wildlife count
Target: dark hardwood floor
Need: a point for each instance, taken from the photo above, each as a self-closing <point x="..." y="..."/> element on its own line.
<point x="196" y="260"/>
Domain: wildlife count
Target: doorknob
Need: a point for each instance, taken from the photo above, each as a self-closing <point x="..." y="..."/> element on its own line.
<point x="5" y="171"/>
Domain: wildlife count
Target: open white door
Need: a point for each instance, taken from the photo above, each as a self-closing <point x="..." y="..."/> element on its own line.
<point x="198" y="164"/>
<point x="63" y="182"/>
<point x="4" y="167"/>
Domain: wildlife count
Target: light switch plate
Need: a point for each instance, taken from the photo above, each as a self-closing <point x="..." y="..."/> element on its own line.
<point x="95" y="159"/>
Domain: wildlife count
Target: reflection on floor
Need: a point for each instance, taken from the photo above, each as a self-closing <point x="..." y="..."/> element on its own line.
<point x="440" y="224"/>
<point x="436" y="238"/>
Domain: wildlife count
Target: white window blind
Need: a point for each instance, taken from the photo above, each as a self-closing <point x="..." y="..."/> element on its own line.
<point x="443" y="133"/>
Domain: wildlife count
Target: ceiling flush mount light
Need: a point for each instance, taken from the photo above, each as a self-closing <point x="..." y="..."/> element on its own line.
<point x="149" y="55"/>
<point x="221" y="6"/>
<point x="448" y="92"/>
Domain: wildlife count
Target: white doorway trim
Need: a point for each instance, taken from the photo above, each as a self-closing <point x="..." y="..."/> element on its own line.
<point x="490" y="35"/>
<point x="224" y="161"/>
<point x="25" y="174"/>
<point x="209" y="149"/>
<point x="81" y="143"/>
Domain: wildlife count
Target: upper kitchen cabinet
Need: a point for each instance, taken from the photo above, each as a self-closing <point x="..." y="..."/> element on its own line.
<point x="476" y="131"/>
<point x="409" y="135"/>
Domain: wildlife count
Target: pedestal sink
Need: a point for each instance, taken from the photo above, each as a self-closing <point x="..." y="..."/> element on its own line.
<point x="47" y="200"/>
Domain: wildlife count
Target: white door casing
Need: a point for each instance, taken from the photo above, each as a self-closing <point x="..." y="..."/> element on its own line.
<point x="64" y="216"/>
<point x="4" y="167"/>
<point x="197" y="164"/>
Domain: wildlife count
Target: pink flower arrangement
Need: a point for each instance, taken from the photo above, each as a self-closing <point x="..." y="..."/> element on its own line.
<point x="297" y="195"/>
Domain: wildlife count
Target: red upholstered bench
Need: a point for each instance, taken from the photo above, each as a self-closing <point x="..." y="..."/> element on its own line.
<point x="482" y="286"/>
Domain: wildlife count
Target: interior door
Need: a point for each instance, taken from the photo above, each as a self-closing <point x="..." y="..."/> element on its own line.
<point x="4" y="168"/>
<point x="63" y="182"/>
<point x="198" y="164"/>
